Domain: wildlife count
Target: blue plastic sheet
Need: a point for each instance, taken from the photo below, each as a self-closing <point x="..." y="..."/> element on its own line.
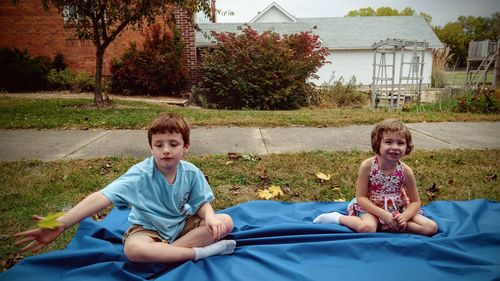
<point x="277" y="241"/>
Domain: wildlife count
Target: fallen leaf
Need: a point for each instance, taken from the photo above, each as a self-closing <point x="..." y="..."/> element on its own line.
<point x="233" y="155"/>
<point x="491" y="177"/>
<point x="50" y="221"/>
<point x="336" y="189"/>
<point x="276" y="191"/>
<point x="229" y="162"/>
<point x="263" y="175"/>
<point x="433" y="188"/>
<point x="339" y="200"/>
<point x="431" y="195"/>
<point x="323" y="177"/>
<point x="264" y="194"/>
<point x="12" y="260"/>
<point x="289" y="191"/>
<point x="250" y="157"/>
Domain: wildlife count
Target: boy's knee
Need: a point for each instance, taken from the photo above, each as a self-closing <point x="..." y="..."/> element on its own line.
<point x="228" y="222"/>
<point x="134" y="252"/>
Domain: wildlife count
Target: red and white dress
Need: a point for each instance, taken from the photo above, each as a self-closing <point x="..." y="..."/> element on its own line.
<point x="386" y="192"/>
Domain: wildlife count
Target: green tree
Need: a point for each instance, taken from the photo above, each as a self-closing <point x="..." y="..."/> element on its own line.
<point x="453" y="36"/>
<point x="495" y="25"/>
<point x="386" y="11"/>
<point x="363" y="12"/>
<point x="102" y="21"/>
<point x="459" y="33"/>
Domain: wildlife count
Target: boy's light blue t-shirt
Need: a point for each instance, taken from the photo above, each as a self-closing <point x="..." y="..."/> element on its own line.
<point x="155" y="203"/>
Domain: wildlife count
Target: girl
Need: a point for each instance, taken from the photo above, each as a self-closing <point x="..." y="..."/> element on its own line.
<point x="386" y="193"/>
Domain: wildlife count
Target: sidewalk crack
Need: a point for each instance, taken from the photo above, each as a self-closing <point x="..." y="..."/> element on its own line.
<point x="85" y="145"/>
<point x="263" y="141"/>
<point x="435" y="138"/>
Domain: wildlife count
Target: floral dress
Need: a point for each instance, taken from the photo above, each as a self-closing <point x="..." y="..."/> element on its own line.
<point x="384" y="191"/>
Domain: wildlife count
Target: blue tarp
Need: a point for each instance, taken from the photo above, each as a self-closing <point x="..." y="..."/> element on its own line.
<point x="277" y="241"/>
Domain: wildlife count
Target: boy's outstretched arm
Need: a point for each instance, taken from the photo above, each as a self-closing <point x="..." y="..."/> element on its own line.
<point x="38" y="238"/>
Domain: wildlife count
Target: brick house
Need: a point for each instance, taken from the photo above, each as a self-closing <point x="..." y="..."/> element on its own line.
<point x="27" y="25"/>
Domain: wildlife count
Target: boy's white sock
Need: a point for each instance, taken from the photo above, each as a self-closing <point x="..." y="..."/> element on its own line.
<point x="222" y="247"/>
<point x="333" y="217"/>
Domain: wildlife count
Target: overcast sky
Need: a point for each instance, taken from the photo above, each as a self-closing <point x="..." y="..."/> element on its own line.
<point x="442" y="11"/>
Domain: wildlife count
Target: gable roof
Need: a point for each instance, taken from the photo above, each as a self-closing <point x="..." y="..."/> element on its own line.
<point x="280" y="28"/>
<point x="362" y="32"/>
<point x="340" y="32"/>
<point x="273" y="7"/>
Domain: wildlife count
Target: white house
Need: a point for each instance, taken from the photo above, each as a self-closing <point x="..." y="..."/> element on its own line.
<point x="348" y="39"/>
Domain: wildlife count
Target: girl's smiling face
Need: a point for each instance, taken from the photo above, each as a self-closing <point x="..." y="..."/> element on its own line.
<point x="392" y="146"/>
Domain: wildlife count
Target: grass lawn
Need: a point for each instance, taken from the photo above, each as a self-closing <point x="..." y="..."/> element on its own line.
<point x="458" y="77"/>
<point x="34" y="187"/>
<point x="26" y="113"/>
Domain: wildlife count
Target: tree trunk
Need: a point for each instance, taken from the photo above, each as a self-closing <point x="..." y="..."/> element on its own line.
<point x="98" y="100"/>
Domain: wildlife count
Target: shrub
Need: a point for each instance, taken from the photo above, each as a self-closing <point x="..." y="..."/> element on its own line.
<point x="19" y="72"/>
<point x="482" y="101"/>
<point x="336" y="93"/>
<point x="158" y="69"/>
<point x="259" y="71"/>
<point x="69" y="80"/>
<point x="61" y="79"/>
<point x="456" y="100"/>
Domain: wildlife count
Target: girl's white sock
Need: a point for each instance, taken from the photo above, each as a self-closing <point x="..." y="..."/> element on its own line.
<point x="333" y="217"/>
<point x="222" y="247"/>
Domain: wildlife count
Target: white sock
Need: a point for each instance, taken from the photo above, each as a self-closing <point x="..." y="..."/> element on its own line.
<point x="333" y="217"/>
<point x="222" y="247"/>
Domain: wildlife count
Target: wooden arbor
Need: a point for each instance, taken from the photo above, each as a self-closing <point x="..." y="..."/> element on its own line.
<point x="481" y="58"/>
<point x="411" y="66"/>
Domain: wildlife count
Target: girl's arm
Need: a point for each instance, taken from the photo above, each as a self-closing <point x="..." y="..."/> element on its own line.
<point x="412" y="192"/>
<point x="215" y="226"/>
<point x="362" y="196"/>
<point x="38" y="238"/>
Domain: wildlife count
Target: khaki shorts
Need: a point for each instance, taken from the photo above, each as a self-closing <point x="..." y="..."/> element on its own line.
<point x="192" y="222"/>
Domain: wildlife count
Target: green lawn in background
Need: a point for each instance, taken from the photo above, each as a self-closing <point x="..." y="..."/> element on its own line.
<point x="24" y="113"/>
<point x="458" y="77"/>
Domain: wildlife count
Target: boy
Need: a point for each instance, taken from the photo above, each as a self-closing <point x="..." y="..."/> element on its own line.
<point x="171" y="216"/>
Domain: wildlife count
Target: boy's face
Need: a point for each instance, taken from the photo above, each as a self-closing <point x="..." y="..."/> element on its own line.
<point x="167" y="149"/>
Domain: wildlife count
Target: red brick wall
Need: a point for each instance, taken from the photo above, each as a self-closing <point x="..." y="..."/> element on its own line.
<point x="27" y="26"/>
<point x="184" y="22"/>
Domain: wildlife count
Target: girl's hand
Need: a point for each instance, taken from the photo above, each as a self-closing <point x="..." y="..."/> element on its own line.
<point x="216" y="227"/>
<point x="401" y="220"/>
<point x="37" y="238"/>
<point x="389" y="220"/>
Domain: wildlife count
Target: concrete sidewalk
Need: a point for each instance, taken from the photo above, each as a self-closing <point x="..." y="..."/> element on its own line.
<point x="48" y="145"/>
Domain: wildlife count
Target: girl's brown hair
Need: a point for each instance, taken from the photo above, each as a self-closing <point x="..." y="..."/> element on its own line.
<point x="169" y="122"/>
<point x="390" y="125"/>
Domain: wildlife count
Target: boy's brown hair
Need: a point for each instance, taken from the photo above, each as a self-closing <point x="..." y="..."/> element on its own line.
<point x="169" y="122"/>
<point x="390" y="125"/>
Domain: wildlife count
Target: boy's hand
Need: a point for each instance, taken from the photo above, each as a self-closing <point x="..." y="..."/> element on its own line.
<point x="37" y="238"/>
<point x="215" y="227"/>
